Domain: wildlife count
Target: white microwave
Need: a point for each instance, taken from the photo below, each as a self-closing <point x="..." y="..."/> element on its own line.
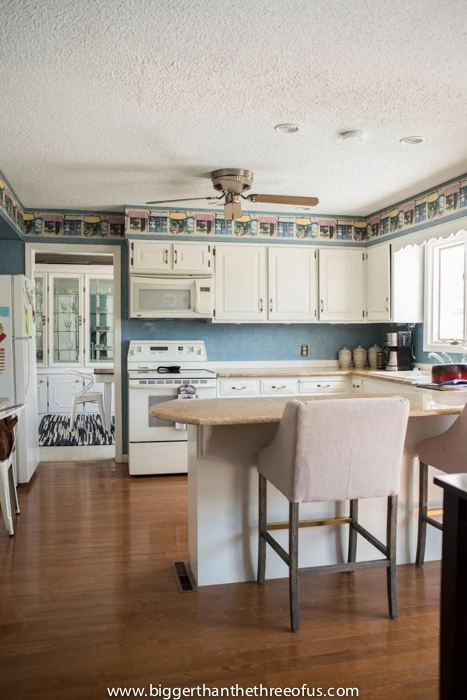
<point x="189" y="296"/>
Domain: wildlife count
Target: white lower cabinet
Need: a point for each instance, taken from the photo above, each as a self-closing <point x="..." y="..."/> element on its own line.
<point x="285" y="386"/>
<point x="61" y="389"/>
<point x="324" y="385"/>
<point x="237" y="386"/>
<point x="42" y="395"/>
<point x="278" y="385"/>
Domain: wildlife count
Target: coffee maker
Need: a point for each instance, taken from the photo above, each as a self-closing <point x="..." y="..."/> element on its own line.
<point x="398" y="351"/>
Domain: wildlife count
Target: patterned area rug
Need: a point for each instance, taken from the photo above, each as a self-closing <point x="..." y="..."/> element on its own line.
<point x="54" y="431"/>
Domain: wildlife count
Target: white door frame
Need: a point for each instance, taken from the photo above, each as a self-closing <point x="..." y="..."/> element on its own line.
<point x="115" y="250"/>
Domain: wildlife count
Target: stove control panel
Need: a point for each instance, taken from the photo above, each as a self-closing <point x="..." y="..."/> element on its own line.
<point x="161" y="351"/>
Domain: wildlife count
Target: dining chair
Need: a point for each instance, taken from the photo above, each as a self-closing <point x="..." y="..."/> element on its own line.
<point x="329" y="451"/>
<point x="86" y="396"/>
<point x="9" y="417"/>
<point x="448" y="453"/>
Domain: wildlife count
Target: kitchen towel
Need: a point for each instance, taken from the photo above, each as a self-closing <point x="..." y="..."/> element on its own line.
<point x="187" y="391"/>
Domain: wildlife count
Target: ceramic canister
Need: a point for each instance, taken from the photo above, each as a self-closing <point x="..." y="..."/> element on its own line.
<point x="345" y="358"/>
<point x="373" y="355"/>
<point x="359" y="357"/>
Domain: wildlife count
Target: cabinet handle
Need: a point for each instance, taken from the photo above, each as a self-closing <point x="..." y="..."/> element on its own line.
<point x="175" y="256"/>
<point x="261" y="305"/>
<point x="355" y="386"/>
<point x="324" y="386"/>
<point x="166" y="256"/>
<point x="270" y="304"/>
<point x="322" y="305"/>
<point x="282" y="386"/>
<point x="43" y="320"/>
<point x="239" y="388"/>
<point x="80" y="320"/>
<point x="386" y="304"/>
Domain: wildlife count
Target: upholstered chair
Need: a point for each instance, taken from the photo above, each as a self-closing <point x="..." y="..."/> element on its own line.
<point x="448" y="453"/>
<point x="334" y="450"/>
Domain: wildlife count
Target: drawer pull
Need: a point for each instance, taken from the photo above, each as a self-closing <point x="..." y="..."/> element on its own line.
<point x="239" y="388"/>
<point x="282" y="386"/>
<point x="324" y="386"/>
<point x="261" y="306"/>
<point x="322" y="305"/>
<point x="355" y="386"/>
<point x="175" y="256"/>
<point x="386" y="304"/>
<point x="166" y="260"/>
<point x="270" y="304"/>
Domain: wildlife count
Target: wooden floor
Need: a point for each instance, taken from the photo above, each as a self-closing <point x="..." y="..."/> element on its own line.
<point x="87" y="602"/>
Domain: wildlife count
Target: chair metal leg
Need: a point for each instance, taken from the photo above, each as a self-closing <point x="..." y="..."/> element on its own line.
<point x="262" y="500"/>
<point x="13" y="488"/>
<point x="293" y="568"/>
<point x="422" y="514"/>
<point x="5" y="500"/>
<point x="391" y="545"/>
<point x="352" y="532"/>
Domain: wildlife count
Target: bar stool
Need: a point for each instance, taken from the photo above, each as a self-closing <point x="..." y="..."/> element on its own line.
<point x="334" y="450"/>
<point x="9" y="417"/>
<point x="448" y="453"/>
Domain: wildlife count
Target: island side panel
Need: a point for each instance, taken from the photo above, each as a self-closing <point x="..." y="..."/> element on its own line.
<point x="223" y="507"/>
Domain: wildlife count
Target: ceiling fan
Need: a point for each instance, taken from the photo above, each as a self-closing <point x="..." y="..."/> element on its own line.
<point x="233" y="182"/>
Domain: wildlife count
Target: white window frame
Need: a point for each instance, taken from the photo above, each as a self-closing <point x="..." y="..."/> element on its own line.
<point x="431" y="310"/>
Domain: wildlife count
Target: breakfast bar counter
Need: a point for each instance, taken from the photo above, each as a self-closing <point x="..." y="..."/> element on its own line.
<point x="224" y="436"/>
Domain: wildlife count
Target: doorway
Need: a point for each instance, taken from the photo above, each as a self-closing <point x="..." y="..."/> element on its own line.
<point x="78" y="323"/>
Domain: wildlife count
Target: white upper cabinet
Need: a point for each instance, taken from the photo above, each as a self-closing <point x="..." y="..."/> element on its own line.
<point x="378" y="283"/>
<point x="192" y="256"/>
<point x="341" y="284"/>
<point x="408" y="284"/>
<point x="151" y="257"/>
<point x="240" y="283"/>
<point x="293" y="283"/>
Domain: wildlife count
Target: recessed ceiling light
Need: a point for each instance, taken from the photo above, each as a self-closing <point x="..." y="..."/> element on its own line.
<point x="412" y="140"/>
<point x="286" y="128"/>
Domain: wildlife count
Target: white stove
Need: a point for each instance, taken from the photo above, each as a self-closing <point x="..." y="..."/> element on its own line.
<point x="156" y="372"/>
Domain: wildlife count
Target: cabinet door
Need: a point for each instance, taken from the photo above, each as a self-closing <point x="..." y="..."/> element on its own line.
<point x="341" y="285"/>
<point x="378" y="276"/>
<point x="61" y="389"/>
<point x="192" y="257"/>
<point x="66" y="314"/>
<point x="40" y="280"/>
<point x="240" y="283"/>
<point x="407" y="285"/>
<point x="292" y="284"/>
<point x="41" y="394"/>
<point x="99" y="327"/>
<point x="150" y="256"/>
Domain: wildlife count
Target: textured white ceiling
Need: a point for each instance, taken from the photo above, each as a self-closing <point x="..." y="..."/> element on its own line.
<point x="113" y="102"/>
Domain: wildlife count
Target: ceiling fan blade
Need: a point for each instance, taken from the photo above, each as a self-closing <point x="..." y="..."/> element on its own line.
<point x="189" y="199"/>
<point x="283" y="199"/>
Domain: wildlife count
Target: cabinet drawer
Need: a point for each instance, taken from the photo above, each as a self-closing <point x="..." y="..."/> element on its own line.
<point x="277" y="385"/>
<point x="356" y="385"/>
<point x="238" y="387"/>
<point x="323" y="386"/>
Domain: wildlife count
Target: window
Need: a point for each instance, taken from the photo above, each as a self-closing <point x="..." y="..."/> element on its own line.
<point x="445" y="307"/>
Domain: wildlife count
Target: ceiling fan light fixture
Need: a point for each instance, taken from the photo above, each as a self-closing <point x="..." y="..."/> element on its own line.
<point x="287" y="128"/>
<point x="412" y="140"/>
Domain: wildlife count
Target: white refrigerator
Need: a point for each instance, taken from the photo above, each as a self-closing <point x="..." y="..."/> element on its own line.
<point x="18" y="376"/>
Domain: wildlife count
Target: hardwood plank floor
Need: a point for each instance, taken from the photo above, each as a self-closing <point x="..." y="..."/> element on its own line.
<point x="88" y="601"/>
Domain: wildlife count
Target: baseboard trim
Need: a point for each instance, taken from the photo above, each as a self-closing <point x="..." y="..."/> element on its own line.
<point x="76" y="454"/>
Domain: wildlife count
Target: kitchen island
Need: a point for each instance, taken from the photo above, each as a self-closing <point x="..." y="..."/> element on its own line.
<point x="223" y="439"/>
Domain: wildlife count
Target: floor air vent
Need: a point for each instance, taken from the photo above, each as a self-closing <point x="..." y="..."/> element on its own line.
<point x="183" y="576"/>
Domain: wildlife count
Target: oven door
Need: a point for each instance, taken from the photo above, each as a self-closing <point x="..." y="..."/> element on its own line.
<point x="142" y="426"/>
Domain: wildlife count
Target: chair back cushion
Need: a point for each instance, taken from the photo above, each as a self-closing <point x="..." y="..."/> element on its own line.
<point x="7" y="437"/>
<point x="339" y="449"/>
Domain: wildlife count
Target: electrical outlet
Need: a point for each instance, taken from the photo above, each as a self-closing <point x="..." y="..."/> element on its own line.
<point x="304" y="350"/>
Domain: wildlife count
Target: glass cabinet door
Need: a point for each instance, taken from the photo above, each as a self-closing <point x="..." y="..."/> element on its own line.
<point x="40" y="308"/>
<point x="66" y="317"/>
<point x="100" y="320"/>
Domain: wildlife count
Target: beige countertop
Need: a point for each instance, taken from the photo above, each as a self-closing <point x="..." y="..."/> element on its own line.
<point x="244" y="411"/>
<point x="104" y="370"/>
<point x="313" y="372"/>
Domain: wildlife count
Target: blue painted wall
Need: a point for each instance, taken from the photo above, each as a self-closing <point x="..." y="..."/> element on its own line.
<point x="11" y="257"/>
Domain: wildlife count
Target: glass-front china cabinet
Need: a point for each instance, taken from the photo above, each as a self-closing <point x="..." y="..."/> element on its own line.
<point x="74" y="329"/>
